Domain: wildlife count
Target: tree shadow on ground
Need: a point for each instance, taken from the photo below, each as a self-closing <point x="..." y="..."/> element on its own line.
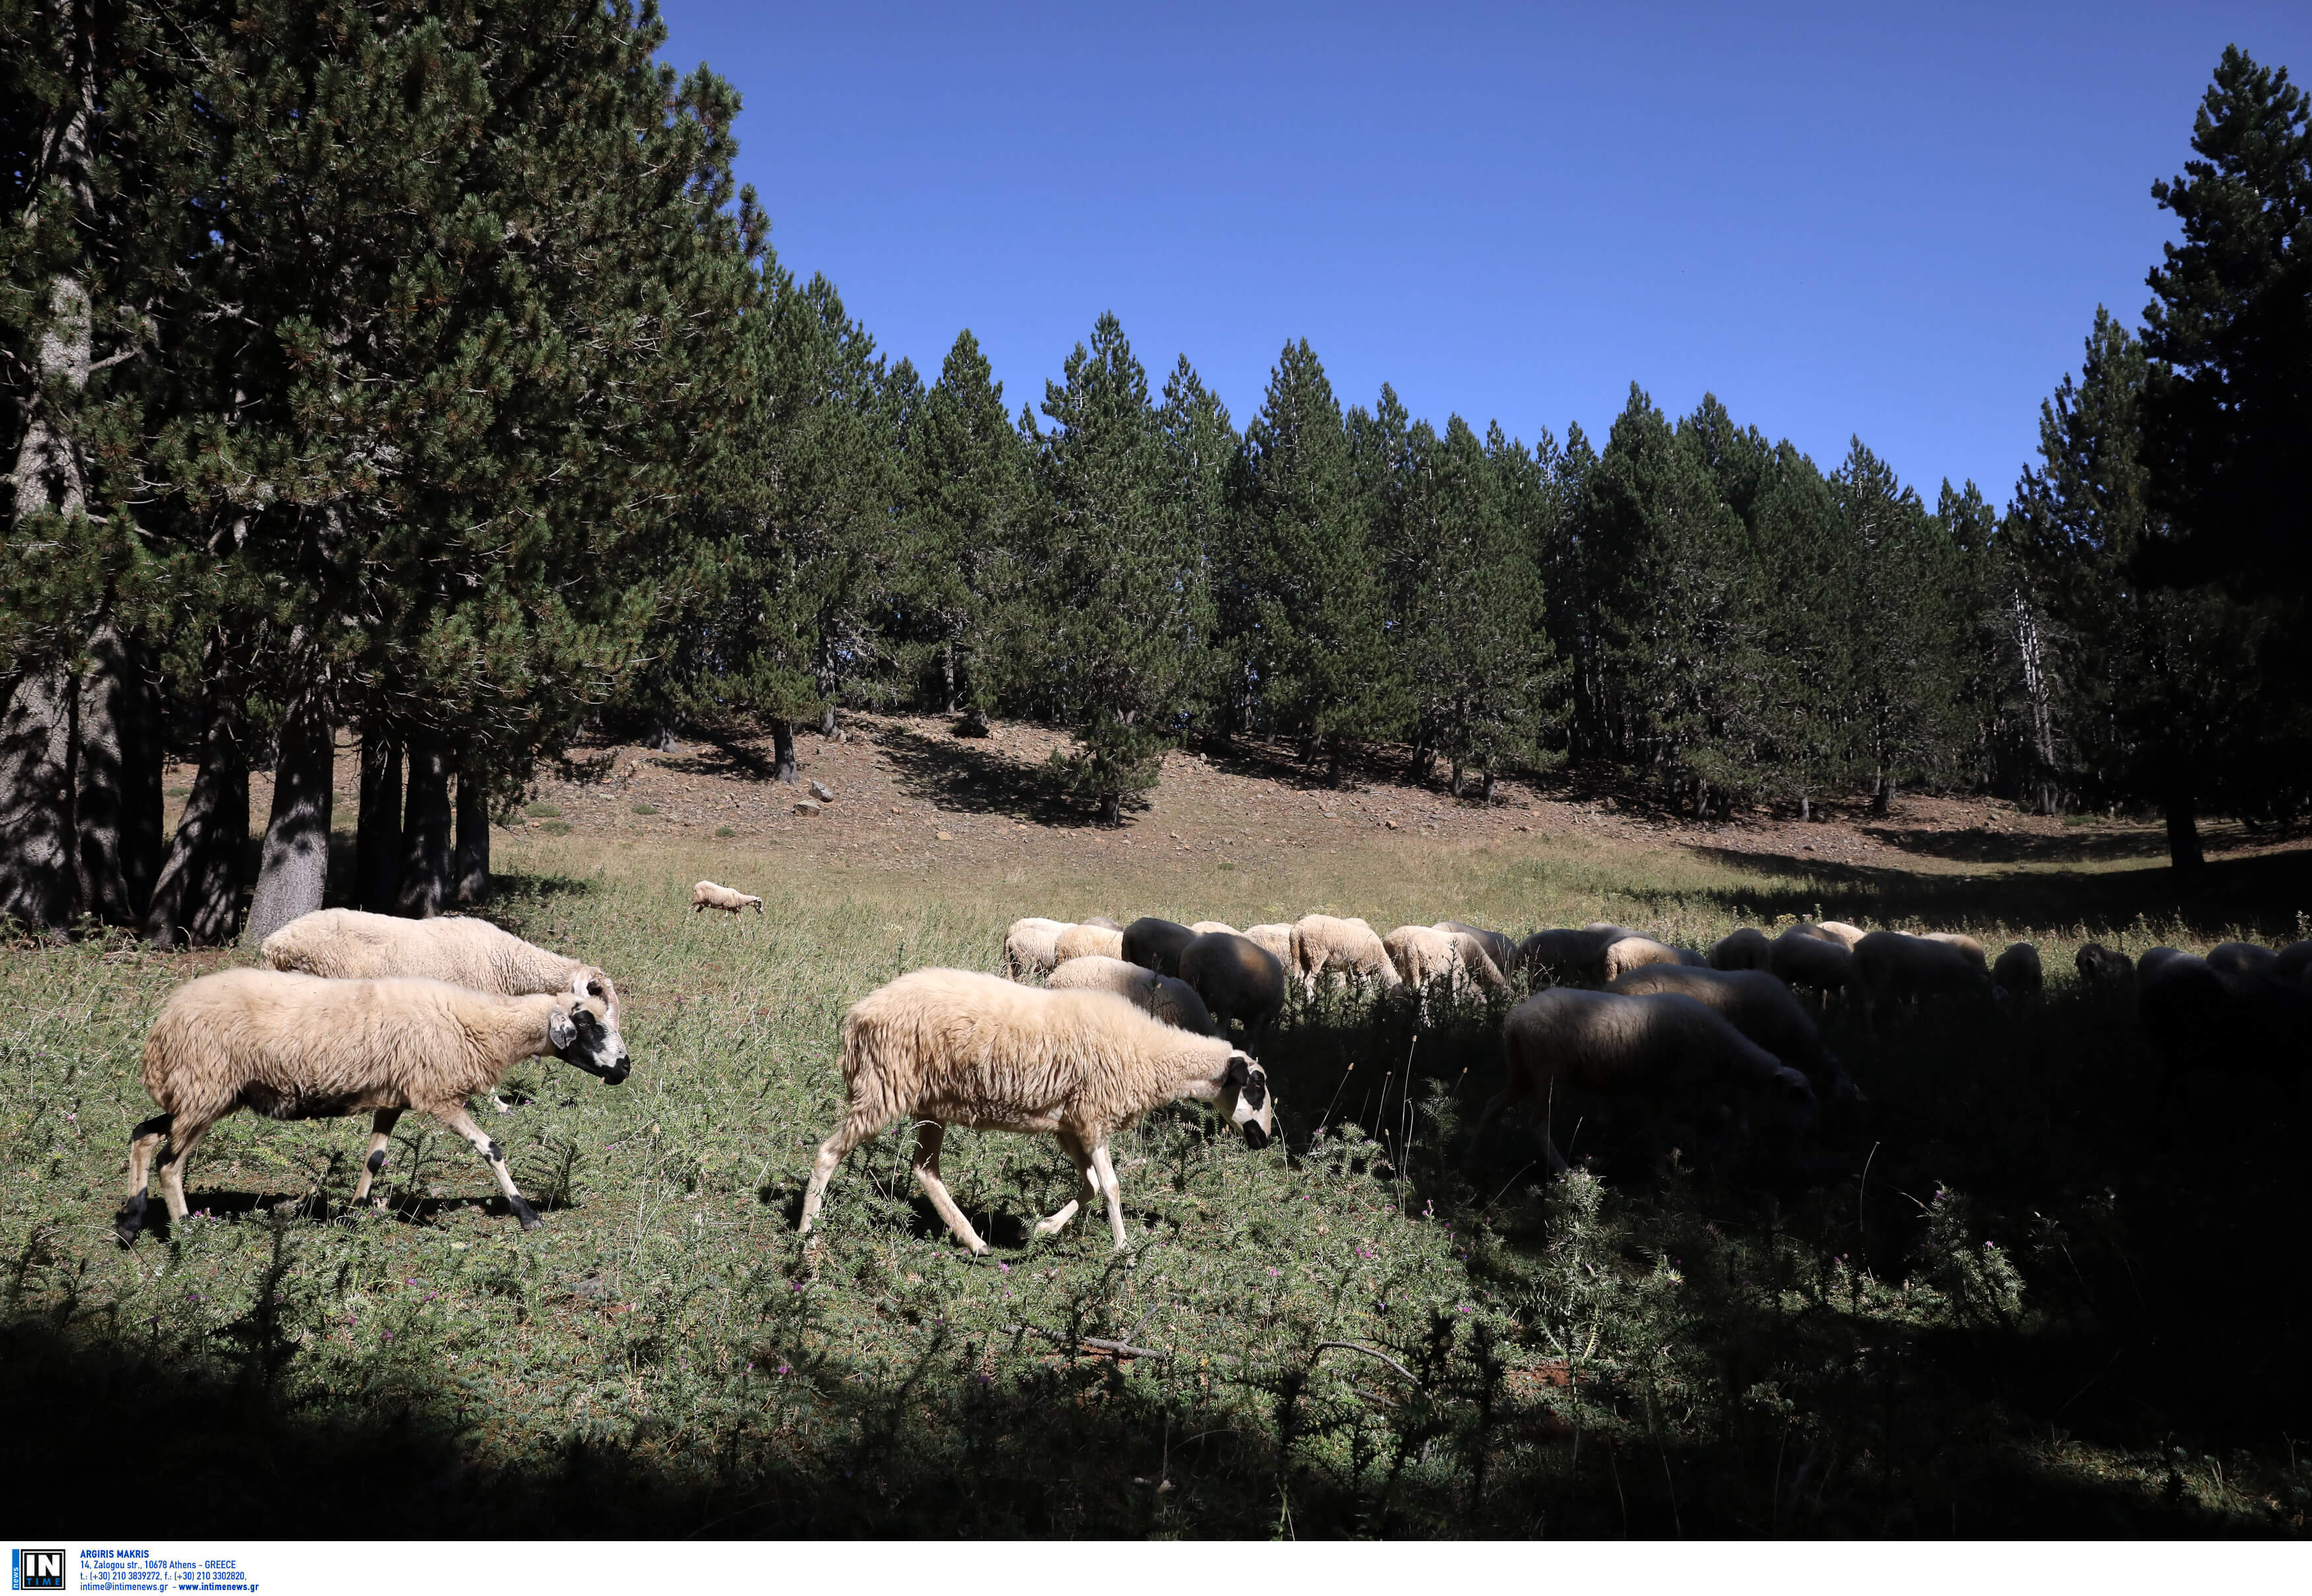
<point x="2083" y="846"/>
<point x="968" y="776"/>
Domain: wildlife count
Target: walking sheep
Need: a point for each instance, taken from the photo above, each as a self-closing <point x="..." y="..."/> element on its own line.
<point x="1080" y="942"/>
<point x="1155" y="944"/>
<point x="1757" y="1005"/>
<point x="1031" y="948"/>
<point x="300" y="1046"/>
<point x="1666" y="1049"/>
<point x="707" y="895"/>
<point x="1167" y="998"/>
<point x="1237" y="978"/>
<point x="943" y="1047"/>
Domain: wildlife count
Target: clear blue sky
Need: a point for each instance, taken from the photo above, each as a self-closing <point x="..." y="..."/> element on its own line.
<point x="1889" y="221"/>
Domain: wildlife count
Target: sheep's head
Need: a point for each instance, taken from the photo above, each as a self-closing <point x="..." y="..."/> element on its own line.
<point x="584" y="1027"/>
<point x="1246" y="1100"/>
<point x="1789" y="1099"/>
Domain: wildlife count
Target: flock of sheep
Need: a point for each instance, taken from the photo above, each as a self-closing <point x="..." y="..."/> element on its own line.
<point x="367" y="1013"/>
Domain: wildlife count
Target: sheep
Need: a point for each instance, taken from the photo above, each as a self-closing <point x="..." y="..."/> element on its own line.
<point x="348" y="944"/>
<point x="1501" y="950"/>
<point x="707" y="895"/>
<point x="1079" y="942"/>
<point x="1799" y="957"/>
<point x="2102" y="970"/>
<point x="2199" y="1015"/>
<point x="1274" y="940"/>
<point x="2294" y="961"/>
<point x="1660" y="1047"/>
<point x="1629" y="952"/>
<point x="1237" y="978"/>
<point x="1570" y="954"/>
<point x="1102" y="921"/>
<point x="1031" y="948"/>
<point x="292" y="1046"/>
<point x="1747" y="949"/>
<point x="1155" y="944"/>
<point x="1760" y="1008"/>
<point x="1426" y="959"/>
<point x="947" y="1046"/>
<point x="1891" y="966"/>
<point x="1213" y="928"/>
<point x="1975" y="951"/>
<point x="1349" y="948"/>
<point x="2235" y="958"/>
<point x="2017" y="971"/>
<point x="1840" y="932"/>
<point x="1167" y="998"/>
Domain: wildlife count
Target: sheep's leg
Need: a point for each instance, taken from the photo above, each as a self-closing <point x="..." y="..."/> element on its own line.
<point x="854" y="1130"/>
<point x="381" y="1132"/>
<point x="182" y="1139"/>
<point x="456" y="1118"/>
<point x="143" y="1143"/>
<point x="1105" y="1169"/>
<point x="1087" y="1188"/>
<point x="929" y="1135"/>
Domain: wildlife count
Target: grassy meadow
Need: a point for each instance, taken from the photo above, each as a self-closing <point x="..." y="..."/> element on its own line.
<point x="2015" y="1292"/>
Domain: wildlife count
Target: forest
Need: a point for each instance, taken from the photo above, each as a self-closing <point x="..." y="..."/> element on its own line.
<point x="415" y="372"/>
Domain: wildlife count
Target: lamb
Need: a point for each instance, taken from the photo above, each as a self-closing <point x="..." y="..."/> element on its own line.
<point x="1891" y="966"/>
<point x="1501" y="950"/>
<point x="707" y="895"/>
<point x="1167" y="998"/>
<point x="1630" y="953"/>
<point x="1274" y="940"/>
<point x="2102" y="970"/>
<point x="1031" y="948"/>
<point x="1237" y="978"/>
<point x="1662" y="1047"/>
<point x="1155" y="944"/>
<point x="1349" y="948"/>
<point x="1080" y="942"/>
<point x="1570" y="954"/>
<point x="1747" y="949"/>
<point x="2017" y="971"/>
<point x="1757" y="1005"/>
<point x="1428" y="960"/>
<point x="945" y="1046"/>
<point x="1799" y="957"/>
<point x="292" y="1046"/>
<point x="2238" y="959"/>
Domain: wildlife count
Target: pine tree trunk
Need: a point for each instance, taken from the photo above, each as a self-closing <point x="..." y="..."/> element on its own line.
<point x="783" y="754"/>
<point x="1882" y="795"/>
<point x="377" y="841"/>
<point x="198" y="899"/>
<point x="426" y="820"/>
<point x="826" y="720"/>
<point x="1111" y="808"/>
<point x="1486" y="796"/>
<point x="293" y="875"/>
<point x="1333" y="760"/>
<point x="2183" y="831"/>
<point x="107" y="740"/>
<point x="946" y="669"/>
<point x="473" y="836"/>
<point x="39" y="883"/>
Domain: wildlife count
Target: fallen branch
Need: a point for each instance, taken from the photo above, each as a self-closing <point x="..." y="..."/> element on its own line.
<point x="1368" y="1352"/>
<point x="1094" y="1343"/>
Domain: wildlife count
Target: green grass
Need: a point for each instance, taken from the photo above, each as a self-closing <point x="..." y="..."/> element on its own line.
<point x="2020" y="1293"/>
<point x="645" y="809"/>
<point x="543" y="811"/>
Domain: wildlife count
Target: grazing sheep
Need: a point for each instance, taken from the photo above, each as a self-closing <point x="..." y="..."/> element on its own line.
<point x="1102" y="921"/>
<point x="1213" y="928"/>
<point x="2102" y="970"/>
<point x="1155" y="944"/>
<point x="1760" y="1008"/>
<point x="1840" y="932"/>
<point x="2240" y="959"/>
<point x="1501" y="950"/>
<point x="1892" y="967"/>
<point x="1975" y="951"/>
<point x="2294" y="961"/>
<point x="1569" y="954"/>
<point x="1435" y="963"/>
<point x="707" y="895"/>
<point x="1082" y="942"/>
<point x="2017" y="971"/>
<point x="1799" y="957"/>
<point x="943" y="1047"/>
<point x="1167" y="998"/>
<point x="1747" y="949"/>
<point x="1031" y="947"/>
<point x="1631" y="952"/>
<point x="1273" y="940"/>
<point x="1322" y="944"/>
<point x="1237" y="978"/>
<point x="301" y="1047"/>
<point x="1664" y="1048"/>
<point x="2198" y="1015"/>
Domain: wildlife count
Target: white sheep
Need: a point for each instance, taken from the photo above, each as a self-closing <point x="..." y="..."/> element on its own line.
<point x="1569" y="954"/>
<point x="1031" y="947"/>
<point x="1665" y="1048"/>
<point x="1625" y="954"/>
<point x="1437" y="965"/>
<point x="1892" y="967"/>
<point x="1758" y="1005"/>
<point x="1211" y="927"/>
<point x="943" y="1047"/>
<point x="1350" y="949"/>
<point x="2017" y="971"/>
<point x="1975" y="951"/>
<point x="1799" y="957"/>
<point x="301" y="1047"/>
<point x="1840" y="932"/>
<point x="1746" y="948"/>
<point x="1084" y="941"/>
<point x="708" y="895"/>
<point x="1501" y="950"/>
<point x="1167" y="998"/>
<point x="1276" y="939"/>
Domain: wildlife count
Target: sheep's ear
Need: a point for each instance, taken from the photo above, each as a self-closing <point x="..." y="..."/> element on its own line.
<point x="1239" y="1070"/>
<point x="559" y="1031"/>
